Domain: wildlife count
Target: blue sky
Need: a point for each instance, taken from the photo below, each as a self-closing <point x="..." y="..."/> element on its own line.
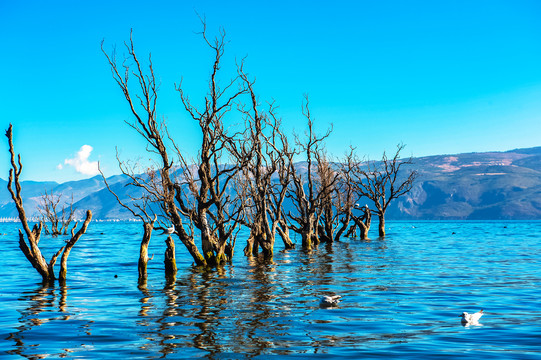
<point x="441" y="77"/>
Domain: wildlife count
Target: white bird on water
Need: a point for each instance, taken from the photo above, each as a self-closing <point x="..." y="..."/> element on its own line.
<point x="169" y="231"/>
<point x="329" y="301"/>
<point x="471" y="319"/>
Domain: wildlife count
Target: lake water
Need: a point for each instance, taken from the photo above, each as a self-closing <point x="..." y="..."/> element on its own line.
<point x="401" y="298"/>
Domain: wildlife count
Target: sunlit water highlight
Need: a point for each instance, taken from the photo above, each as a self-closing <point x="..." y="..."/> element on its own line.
<point x="401" y="298"/>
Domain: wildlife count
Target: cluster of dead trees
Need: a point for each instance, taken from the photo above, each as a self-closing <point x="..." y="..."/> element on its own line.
<point x="243" y="174"/>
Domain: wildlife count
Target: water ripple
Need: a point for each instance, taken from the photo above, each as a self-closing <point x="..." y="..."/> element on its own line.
<point x="401" y="298"/>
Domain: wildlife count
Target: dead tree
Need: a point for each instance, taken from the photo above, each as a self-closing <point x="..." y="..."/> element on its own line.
<point x="154" y="131"/>
<point x="337" y="200"/>
<point x="363" y="222"/>
<point x="200" y="198"/>
<point x="48" y="209"/>
<point x="307" y="191"/>
<point x="29" y="246"/>
<point x="383" y="181"/>
<point x="265" y="178"/>
<point x="348" y="171"/>
<point x="215" y="210"/>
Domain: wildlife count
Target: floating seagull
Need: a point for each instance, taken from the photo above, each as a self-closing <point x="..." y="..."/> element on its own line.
<point x="329" y="301"/>
<point x="169" y="231"/>
<point x="471" y="319"/>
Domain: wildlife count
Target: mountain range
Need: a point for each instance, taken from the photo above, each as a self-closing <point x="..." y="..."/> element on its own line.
<point x="472" y="186"/>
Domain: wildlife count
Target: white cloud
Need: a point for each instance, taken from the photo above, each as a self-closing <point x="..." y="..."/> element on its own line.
<point x="80" y="162"/>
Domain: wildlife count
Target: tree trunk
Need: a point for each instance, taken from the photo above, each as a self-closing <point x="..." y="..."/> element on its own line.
<point x="366" y="223"/>
<point x="143" y="251"/>
<point x="307" y="238"/>
<point x="229" y="250"/>
<point x="170" y="260"/>
<point x="381" y="227"/>
<point x="267" y="246"/>
<point x="364" y="233"/>
<point x="352" y="231"/>
<point x="221" y="257"/>
<point x="283" y="231"/>
<point x="70" y="244"/>
<point x="249" y="249"/>
<point x="206" y="240"/>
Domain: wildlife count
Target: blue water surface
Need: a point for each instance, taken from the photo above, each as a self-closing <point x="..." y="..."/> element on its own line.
<point x="402" y="296"/>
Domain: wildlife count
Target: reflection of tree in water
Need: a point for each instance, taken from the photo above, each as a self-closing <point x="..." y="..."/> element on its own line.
<point x="210" y="297"/>
<point x="201" y="305"/>
<point x="256" y="327"/>
<point x="190" y="316"/>
<point x="39" y="311"/>
<point x="253" y="310"/>
<point x="37" y="301"/>
<point x="156" y="326"/>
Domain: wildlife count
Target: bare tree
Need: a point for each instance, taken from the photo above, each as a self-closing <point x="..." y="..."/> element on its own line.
<point x="216" y="210"/>
<point x="337" y="200"/>
<point x="29" y="246"/>
<point x="348" y="171"/>
<point x="383" y="181"/>
<point x="200" y="198"/>
<point x="307" y="190"/>
<point x="265" y="178"/>
<point x="48" y="209"/>
<point x="154" y="131"/>
<point x="361" y="222"/>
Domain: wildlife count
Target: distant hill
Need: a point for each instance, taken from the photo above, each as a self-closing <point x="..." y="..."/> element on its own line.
<point x="492" y="185"/>
<point x="473" y="186"/>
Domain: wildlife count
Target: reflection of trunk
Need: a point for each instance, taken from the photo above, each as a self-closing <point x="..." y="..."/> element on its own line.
<point x="170" y="260"/>
<point x="143" y="251"/>
<point x="381" y="227"/>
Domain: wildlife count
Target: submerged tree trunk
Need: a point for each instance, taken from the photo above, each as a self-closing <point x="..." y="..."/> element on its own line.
<point x="252" y="244"/>
<point x="267" y="245"/>
<point x="309" y="239"/>
<point x="170" y="260"/>
<point x="143" y="251"/>
<point x="249" y="248"/>
<point x="283" y="231"/>
<point x="70" y="244"/>
<point x="352" y="231"/>
<point x="381" y="227"/>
